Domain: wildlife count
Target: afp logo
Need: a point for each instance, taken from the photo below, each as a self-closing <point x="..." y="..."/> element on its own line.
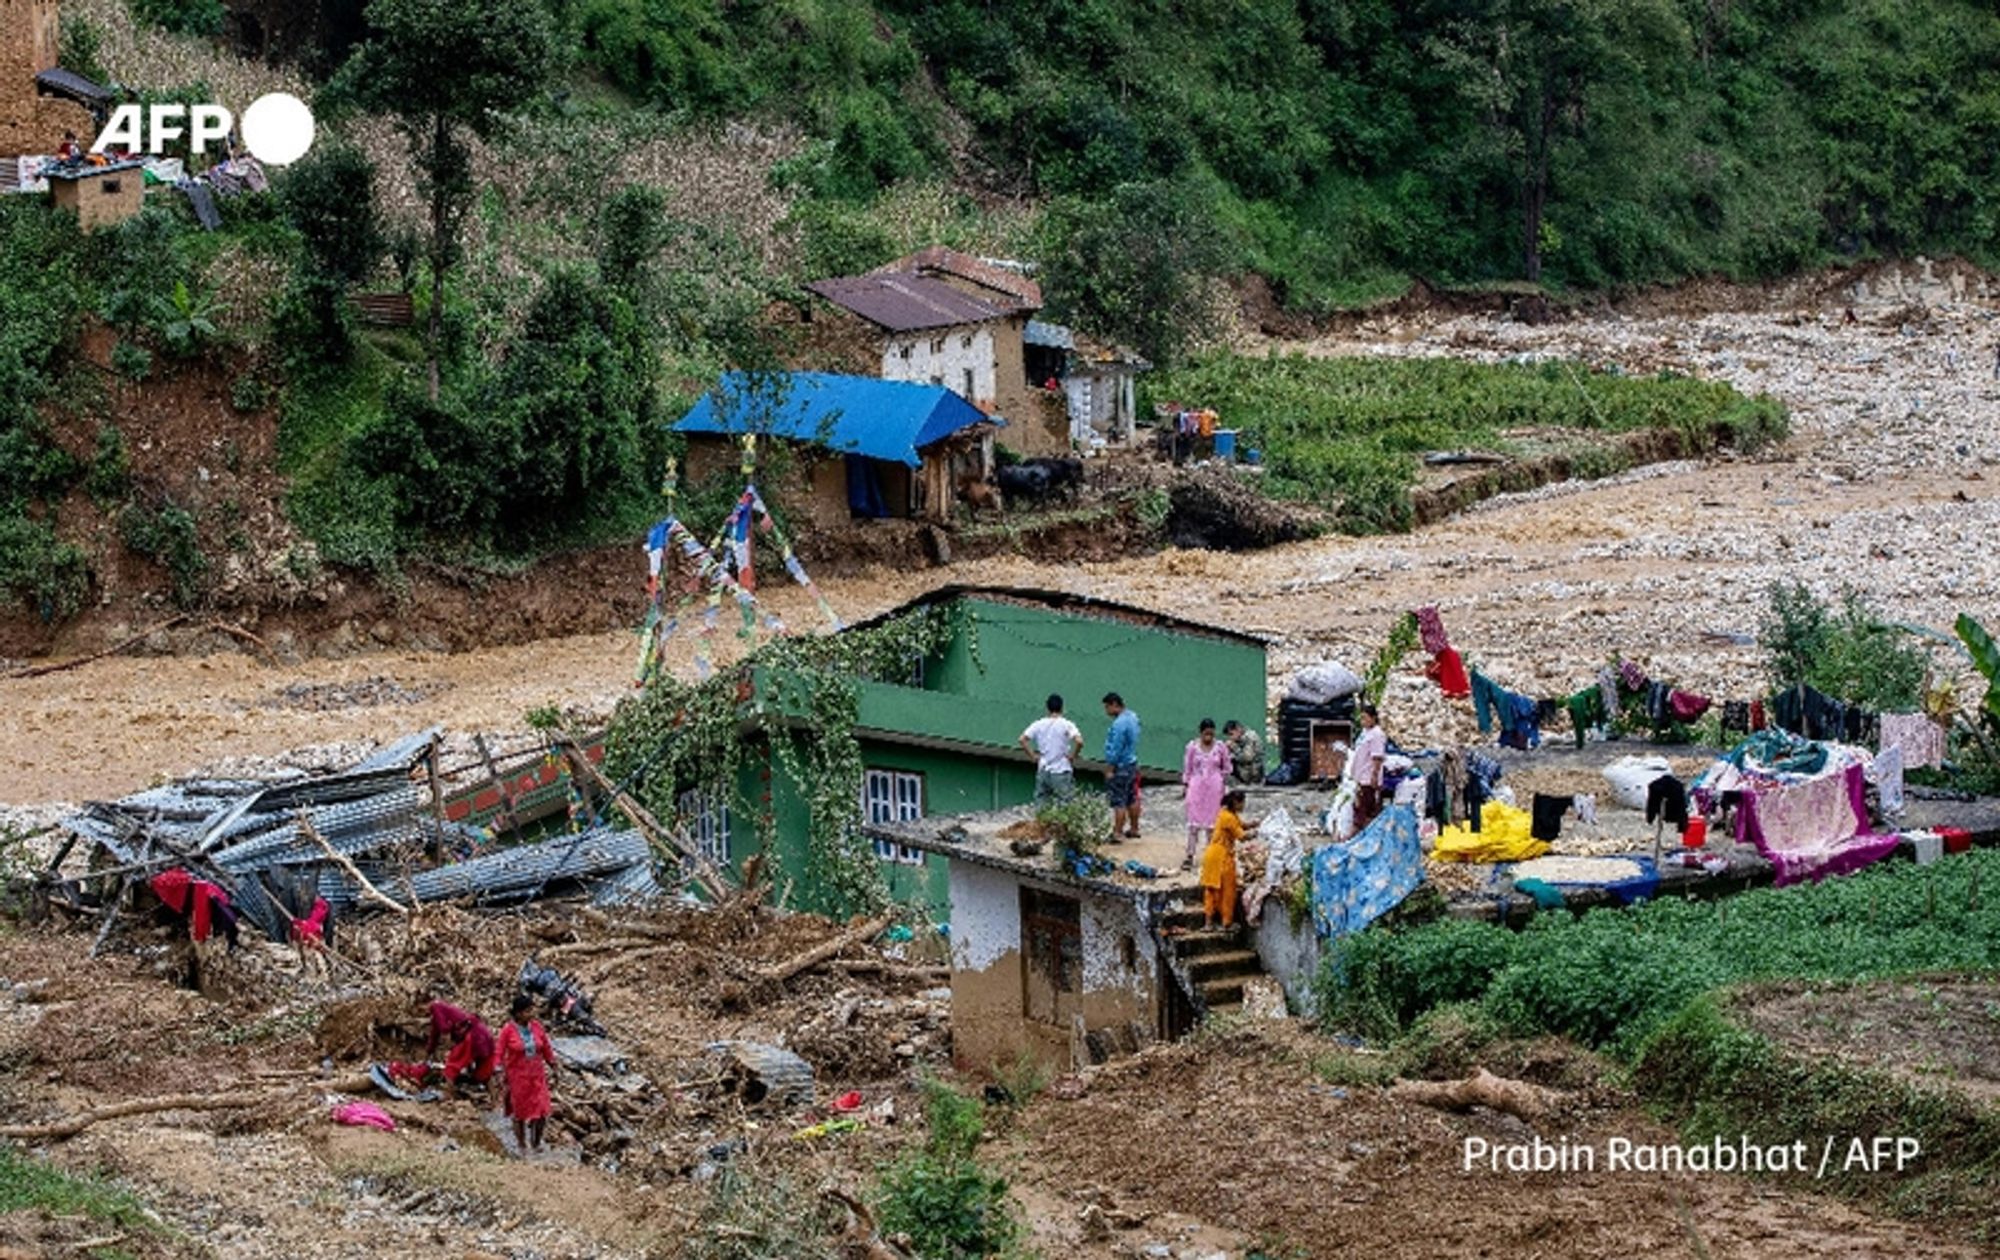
<point x="277" y="128"/>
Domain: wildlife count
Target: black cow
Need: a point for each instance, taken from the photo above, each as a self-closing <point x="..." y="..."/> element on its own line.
<point x="1039" y="480"/>
<point x="1026" y="482"/>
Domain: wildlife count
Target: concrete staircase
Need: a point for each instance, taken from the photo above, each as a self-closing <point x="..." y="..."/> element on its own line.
<point x="1211" y="965"/>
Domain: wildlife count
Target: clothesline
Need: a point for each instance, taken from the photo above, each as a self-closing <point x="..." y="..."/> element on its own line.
<point x="1626" y="687"/>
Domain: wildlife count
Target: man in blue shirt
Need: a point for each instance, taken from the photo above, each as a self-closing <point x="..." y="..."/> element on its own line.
<point x="1121" y="755"/>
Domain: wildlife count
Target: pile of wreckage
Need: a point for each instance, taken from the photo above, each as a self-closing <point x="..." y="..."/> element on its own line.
<point x="263" y="853"/>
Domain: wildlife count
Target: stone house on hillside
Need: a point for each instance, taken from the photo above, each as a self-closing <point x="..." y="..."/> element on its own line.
<point x="39" y="100"/>
<point x="946" y="318"/>
<point x="858" y="446"/>
<point x="1098" y="381"/>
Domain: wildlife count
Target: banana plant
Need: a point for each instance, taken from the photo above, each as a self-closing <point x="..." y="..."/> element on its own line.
<point x="1985" y="655"/>
<point x="1986" y="658"/>
<point x="189" y="324"/>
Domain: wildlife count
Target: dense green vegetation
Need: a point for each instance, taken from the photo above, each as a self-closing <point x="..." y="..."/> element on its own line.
<point x="1350" y="431"/>
<point x="1353" y="143"/>
<point x="1718" y="1078"/>
<point x="1338" y="147"/>
<point x="1846" y="651"/>
<point x="1614" y="978"/>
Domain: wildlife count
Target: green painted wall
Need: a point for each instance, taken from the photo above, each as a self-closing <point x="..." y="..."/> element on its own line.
<point x="1172" y="679"/>
<point x="978" y="704"/>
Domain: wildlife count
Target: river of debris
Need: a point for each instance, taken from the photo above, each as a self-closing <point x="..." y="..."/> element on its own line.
<point x="1888" y="486"/>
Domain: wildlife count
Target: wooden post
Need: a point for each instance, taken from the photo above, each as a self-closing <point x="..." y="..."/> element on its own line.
<point x="702" y="870"/>
<point x="368" y="890"/>
<point x="437" y="792"/>
<point x="493" y="777"/>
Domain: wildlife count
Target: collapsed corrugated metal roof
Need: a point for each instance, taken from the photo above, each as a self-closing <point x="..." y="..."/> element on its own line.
<point x="517" y="872"/>
<point x="267" y="839"/>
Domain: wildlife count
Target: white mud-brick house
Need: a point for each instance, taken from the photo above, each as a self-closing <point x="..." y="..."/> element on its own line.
<point x="948" y="319"/>
<point x="1098" y="383"/>
<point x="1067" y="967"/>
<point x="1061" y="971"/>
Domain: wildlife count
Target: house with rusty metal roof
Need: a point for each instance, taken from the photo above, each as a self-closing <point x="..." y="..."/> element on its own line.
<point x="945" y="318"/>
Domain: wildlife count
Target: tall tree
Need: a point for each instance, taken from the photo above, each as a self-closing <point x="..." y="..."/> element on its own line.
<point x="449" y="70"/>
<point x="1137" y="266"/>
<point x="1529" y="67"/>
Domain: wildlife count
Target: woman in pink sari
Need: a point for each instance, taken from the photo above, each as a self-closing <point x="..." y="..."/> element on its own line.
<point x="1204" y="770"/>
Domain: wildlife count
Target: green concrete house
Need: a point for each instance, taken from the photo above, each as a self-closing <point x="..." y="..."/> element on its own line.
<point x="944" y="743"/>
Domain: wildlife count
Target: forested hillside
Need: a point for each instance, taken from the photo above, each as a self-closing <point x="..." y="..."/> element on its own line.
<point x="1345" y="145"/>
<point x="594" y="206"/>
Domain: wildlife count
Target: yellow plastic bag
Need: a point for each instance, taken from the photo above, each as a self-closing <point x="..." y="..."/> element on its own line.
<point x="1502" y="837"/>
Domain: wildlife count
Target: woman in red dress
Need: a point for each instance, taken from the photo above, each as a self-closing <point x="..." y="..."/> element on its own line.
<point x="529" y="1062"/>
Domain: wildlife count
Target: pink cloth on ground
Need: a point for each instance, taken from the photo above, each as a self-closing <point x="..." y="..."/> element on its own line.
<point x="1813" y="829"/>
<point x="364" y="1114"/>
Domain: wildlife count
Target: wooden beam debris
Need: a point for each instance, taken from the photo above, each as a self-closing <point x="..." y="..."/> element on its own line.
<point x="826" y="949"/>
<point x="665" y="839"/>
<point x="368" y="890"/>
<point x="73" y="1125"/>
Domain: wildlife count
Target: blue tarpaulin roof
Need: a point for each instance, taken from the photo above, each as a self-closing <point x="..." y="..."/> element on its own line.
<point x="857" y="415"/>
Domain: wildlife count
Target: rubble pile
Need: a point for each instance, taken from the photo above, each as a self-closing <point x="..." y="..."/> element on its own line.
<point x="365" y="836"/>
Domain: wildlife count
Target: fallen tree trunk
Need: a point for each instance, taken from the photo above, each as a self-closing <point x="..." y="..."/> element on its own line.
<point x="1481" y="1089"/>
<point x="73" y="1125"/>
<point x="38" y="671"/>
<point x="593" y="947"/>
<point x="819" y="953"/>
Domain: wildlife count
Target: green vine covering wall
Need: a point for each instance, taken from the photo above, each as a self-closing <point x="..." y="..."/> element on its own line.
<point x="675" y="736"/>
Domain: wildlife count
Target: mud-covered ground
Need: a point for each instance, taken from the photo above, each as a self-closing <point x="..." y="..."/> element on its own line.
<point x="1223" y="1145"/>
<point x="1891" y="486"/>
<point x="1233" y="1143"/>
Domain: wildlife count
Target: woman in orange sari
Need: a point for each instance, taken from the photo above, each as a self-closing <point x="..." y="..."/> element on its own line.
<point x="1218" y="862"/>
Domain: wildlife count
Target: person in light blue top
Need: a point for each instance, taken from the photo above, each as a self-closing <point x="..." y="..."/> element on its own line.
<point x="1121" y="756"/>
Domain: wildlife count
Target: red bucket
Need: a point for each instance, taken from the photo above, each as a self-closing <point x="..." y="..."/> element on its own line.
<point x="1696" y="834"/>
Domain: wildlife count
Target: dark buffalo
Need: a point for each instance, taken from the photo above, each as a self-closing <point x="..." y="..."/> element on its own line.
<point x="1027" y="482"/>
<point x="1039" y="480"/>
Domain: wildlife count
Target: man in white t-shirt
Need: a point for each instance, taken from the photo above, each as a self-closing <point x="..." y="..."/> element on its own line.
<point x="1053" y="742"/>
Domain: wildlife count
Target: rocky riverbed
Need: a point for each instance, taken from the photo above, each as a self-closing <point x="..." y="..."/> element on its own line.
<point x="1890" y="485"/>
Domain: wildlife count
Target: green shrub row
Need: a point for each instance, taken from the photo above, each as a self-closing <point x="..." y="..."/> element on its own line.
<point x="1611" y="978"/>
